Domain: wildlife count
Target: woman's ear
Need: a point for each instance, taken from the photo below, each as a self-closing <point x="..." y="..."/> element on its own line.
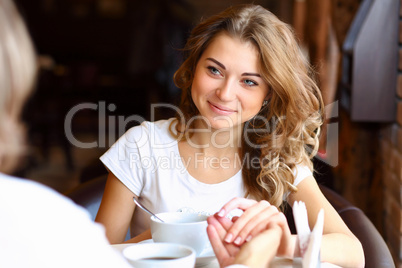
<point x="267" y="98"/>
<point x="269" y="95"/>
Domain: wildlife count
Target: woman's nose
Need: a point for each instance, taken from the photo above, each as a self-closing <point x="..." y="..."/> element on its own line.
<point x="226" y="92"/>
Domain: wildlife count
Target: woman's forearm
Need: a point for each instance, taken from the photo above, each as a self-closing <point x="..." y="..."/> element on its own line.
<point x="141" y="237"/>
<point x="342" y="250"/>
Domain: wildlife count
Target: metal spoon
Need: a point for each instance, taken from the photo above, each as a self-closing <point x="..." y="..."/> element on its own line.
<point x="145" y="209"/>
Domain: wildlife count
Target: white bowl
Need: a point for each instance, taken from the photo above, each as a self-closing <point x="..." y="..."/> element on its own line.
<point x="188" y="229"/>
<point x="160" y="255"/>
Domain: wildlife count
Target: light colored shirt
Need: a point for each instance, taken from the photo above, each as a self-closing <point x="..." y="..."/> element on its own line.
<point x="39" y="228"/>
<point x="146" y="159"/>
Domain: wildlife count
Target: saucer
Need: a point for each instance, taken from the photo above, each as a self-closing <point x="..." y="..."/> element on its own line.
<point x="206" y="256"/>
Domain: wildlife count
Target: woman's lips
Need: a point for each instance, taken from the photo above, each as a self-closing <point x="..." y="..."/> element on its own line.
<point x="221" y="109"/>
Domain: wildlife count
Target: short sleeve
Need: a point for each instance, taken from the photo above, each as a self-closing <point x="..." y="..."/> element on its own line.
<point x="301" y="172"/>
<point x="124" y="158"/>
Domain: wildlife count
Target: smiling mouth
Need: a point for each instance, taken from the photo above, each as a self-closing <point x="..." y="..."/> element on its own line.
<point x="221" y="109"/>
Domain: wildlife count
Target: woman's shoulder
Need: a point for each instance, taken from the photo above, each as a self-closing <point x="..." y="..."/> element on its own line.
<point x="38" y="193"/>
<point x="154" y="132"/>
<point x="163" y="125"/>
<point x="152" y="126"/>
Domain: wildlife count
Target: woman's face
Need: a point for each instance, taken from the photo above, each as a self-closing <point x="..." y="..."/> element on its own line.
<point x="227" y="87"/>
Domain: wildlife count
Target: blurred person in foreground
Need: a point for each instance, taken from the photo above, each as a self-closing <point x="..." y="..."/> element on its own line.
<point x="38" y="226"/>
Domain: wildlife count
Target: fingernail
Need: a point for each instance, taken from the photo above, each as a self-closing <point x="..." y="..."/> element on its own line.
<point x="248" y="238"/>
<point x="228" y="238"/>
<point x="238" y="240"/>
<point x="221" y="213"/>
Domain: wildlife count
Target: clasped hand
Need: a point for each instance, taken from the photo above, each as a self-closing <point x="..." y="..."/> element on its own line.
<point x="254" y="238"/>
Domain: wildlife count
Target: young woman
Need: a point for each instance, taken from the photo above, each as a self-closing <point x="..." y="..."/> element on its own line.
<point x="247" y="126"/>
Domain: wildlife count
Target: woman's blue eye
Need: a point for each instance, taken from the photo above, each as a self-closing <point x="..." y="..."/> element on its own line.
<point x="213" y="70"/>
<point x="249" y="82"/>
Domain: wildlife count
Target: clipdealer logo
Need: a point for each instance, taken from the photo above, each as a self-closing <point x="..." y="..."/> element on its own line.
<point x="109" y="125"/>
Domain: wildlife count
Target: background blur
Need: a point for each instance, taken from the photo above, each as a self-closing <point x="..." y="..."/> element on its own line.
<point x="119" y="55"/>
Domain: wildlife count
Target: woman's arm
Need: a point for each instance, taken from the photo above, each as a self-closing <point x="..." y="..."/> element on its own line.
<point x="339" y="245"/>
<point x="116" y="209"/>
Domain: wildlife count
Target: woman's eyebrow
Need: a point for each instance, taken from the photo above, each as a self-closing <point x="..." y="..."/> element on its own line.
<point x="217" y="62"/>
<point x="224" y="68"/>
<point x="251" y="74"/>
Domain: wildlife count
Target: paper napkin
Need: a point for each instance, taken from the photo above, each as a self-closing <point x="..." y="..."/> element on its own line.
<point x="309" y="241"/>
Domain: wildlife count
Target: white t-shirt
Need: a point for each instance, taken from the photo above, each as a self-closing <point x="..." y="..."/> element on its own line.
<point x="41" y="228"/>
<point x="147" y="161"/>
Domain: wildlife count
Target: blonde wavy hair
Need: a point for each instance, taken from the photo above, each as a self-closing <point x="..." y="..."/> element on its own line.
<point x="285" y="131"/>
<point x="17" y="74"/>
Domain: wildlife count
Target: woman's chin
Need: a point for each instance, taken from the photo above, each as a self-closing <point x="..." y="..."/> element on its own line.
<point x="223" y="125"/>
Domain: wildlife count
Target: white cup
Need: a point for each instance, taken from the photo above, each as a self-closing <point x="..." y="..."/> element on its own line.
<point x="188" y="229"/>
<point x="160" y="255"/>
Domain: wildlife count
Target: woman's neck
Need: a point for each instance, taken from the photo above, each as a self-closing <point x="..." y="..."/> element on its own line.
<point x="215" y="141"/>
